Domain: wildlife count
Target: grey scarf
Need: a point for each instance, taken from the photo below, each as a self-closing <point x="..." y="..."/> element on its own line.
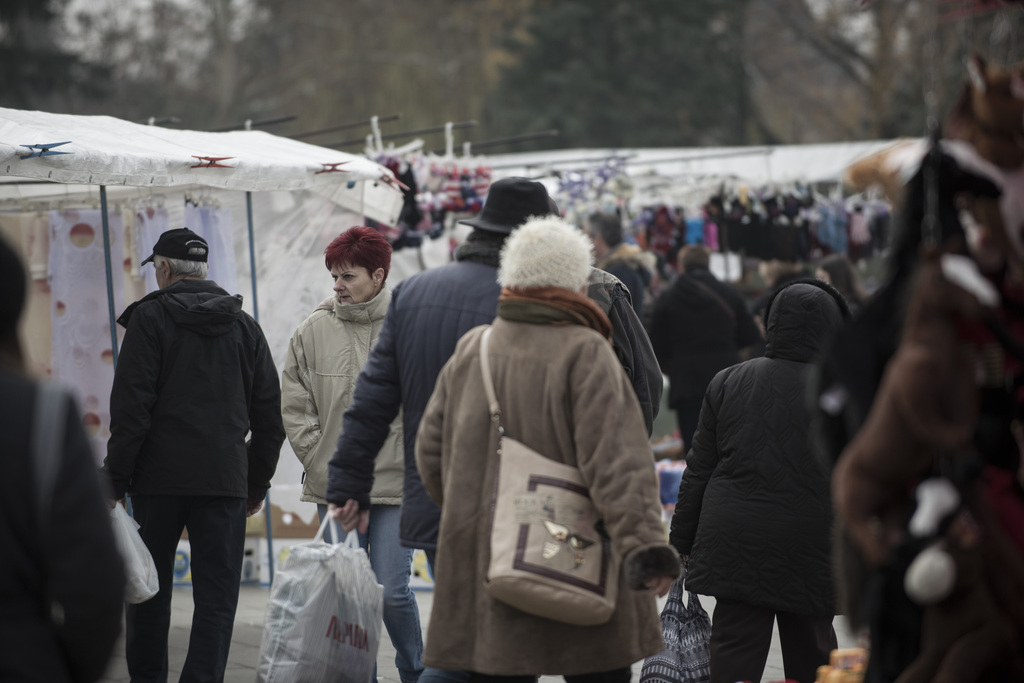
<point x="483" y="247"/>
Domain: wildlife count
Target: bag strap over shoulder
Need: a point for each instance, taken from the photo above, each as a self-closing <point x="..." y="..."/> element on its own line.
<point x="485" y="367"/>
<point x="717" y="298"/>
<point x="47" y="436"/>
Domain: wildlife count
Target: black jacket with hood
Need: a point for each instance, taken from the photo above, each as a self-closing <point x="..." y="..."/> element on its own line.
<point x="755" y="508"/>
<point x="62" y="577"/>
<point x="194" y="377"/>
<point x="698" y="327"/>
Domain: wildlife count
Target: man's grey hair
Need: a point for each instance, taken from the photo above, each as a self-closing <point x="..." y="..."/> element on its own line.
<point x="608" y="226"/>
<point x="196" y="269"/>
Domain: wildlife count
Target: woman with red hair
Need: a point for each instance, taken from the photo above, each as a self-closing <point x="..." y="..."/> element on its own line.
<point x="325" y="356"/>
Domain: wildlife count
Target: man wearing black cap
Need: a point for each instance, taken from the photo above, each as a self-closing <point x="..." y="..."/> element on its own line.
<point x="193" y="379"/>
<point x="428" y="314"/>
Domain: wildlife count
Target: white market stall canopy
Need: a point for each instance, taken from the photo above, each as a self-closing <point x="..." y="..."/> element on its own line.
<point x="302" y="196"/>
<point x="102" y="150"/>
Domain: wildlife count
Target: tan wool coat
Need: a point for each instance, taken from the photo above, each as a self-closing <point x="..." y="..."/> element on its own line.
<point x="325" y="355"/>
<point x="563" y="393"/>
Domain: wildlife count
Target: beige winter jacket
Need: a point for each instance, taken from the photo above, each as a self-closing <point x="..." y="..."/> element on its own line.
<point x="325" y="356"/>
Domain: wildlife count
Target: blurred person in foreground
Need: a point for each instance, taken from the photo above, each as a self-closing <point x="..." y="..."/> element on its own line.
<point x="699" y="325"/>
<point x="62" y="578"/>
<point x="428" y="314"/>
<point x="838" y="270"/>
<point x="754" y="515"/>
<point x="564" y="395"/>
<point x="325" y="355"/>
<point x="194" y="378"/>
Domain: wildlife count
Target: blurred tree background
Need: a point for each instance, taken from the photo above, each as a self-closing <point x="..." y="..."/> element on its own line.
<point x="36" y="72"/>
<point x="605" y="73"/>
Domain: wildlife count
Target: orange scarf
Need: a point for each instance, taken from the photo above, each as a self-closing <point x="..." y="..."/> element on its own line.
<point x="552" y="306"/>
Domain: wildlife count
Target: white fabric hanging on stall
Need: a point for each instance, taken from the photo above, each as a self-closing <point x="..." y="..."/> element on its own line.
<point x="82" y="357"/>
<point x="215" y="226"/>
<point x="150" y="223"/>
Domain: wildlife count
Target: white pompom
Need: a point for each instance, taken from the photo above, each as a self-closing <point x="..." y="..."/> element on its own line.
<point x="930" y="577"/>
<point x="936" y="498"/>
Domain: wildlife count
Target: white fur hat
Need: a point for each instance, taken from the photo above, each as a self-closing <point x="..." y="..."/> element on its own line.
<point x="546" y="252"/>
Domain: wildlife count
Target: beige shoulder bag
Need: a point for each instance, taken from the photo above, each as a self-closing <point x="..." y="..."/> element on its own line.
<point x="549" y="555"/>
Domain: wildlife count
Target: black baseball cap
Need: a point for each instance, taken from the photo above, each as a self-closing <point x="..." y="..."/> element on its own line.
<point x="180" y="243"/>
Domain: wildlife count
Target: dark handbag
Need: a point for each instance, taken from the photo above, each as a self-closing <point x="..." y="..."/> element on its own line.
<point x="687" y="632"/>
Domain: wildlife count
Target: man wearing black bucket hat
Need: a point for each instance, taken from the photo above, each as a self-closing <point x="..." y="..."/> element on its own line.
<point x="194" y="378"/>
<point x="428" y="314"/>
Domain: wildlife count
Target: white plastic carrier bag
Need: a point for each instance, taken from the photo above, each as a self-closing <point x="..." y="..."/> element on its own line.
<point x="324" y="618"/>
<point x="142" y="583"/>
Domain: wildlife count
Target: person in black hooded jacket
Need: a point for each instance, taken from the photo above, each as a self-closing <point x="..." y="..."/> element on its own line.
<point x="194" y="377"/>
<point x="699" y="326"/>
<point x="754" y="514"/>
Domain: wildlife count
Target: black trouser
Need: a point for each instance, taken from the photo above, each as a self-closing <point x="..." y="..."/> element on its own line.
<point x="741" y="636"/>
<point x="216" y="535"/>
<point x="614" y="676"/>
<point x="687" y="416"/>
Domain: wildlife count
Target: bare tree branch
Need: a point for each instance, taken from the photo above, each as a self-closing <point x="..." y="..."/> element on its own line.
<point x="796" y="15"/>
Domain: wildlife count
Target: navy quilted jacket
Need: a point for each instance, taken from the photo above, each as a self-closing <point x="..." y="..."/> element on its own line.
<point x="754" y="510"/>
<point x="429" y="312"/>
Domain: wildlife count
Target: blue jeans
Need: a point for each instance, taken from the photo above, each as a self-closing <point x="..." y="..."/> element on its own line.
<point x="392" y="564"/>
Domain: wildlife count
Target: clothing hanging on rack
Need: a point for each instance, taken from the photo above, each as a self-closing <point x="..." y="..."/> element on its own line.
<point x="438" y="186"/>
<point x="795" y="225"/>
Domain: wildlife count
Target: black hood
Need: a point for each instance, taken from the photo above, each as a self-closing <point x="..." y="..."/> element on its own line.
<point x="197" y="305"/>
<point x="800" y="317"/>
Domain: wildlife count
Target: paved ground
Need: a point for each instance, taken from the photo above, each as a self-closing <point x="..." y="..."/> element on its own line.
<point x="248" y="630"/>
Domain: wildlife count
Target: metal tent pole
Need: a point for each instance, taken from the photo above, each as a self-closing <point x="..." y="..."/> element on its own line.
<point x="252" y="257"/>
<point x="256" y="316"/>
<point x="110" y="271"/>
<point x="110" y="296"/>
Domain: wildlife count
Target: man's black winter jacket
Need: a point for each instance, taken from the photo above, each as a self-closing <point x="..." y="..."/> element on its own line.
<point x="698" y="327"/>
<point x="194" y="377"/>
